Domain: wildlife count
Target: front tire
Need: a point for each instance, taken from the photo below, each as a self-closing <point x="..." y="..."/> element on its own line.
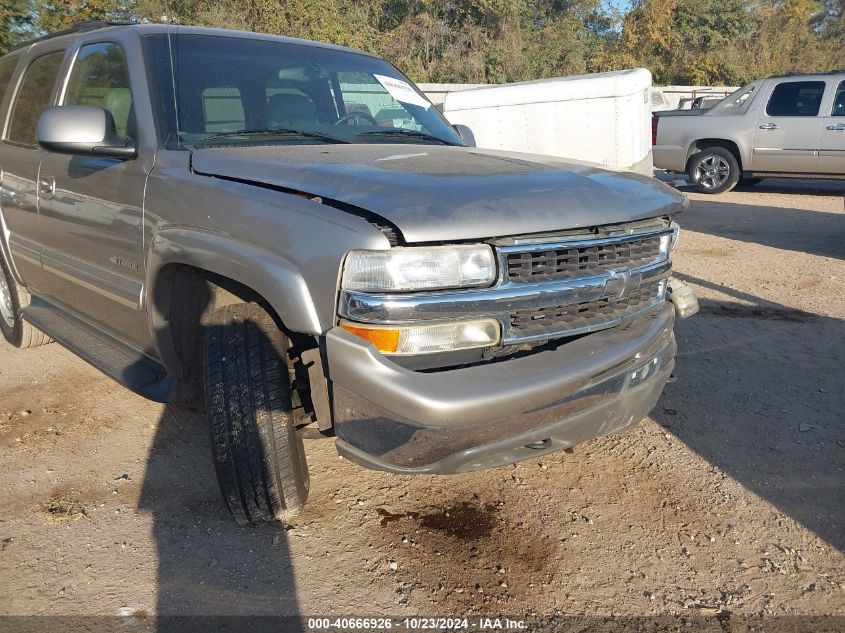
<point x="714" y="170"/>
<point x="259" y="458"/>
<point x="13" y="299"/>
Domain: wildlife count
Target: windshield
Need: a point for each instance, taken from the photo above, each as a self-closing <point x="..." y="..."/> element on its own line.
<point x="241" y="91"/>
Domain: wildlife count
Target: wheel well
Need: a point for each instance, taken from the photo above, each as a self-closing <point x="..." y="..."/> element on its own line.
<point x="704" y="143"/>
<point x="186" y="298"/>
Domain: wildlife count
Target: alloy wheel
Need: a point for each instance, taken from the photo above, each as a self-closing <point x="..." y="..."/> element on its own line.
<point x="712" y="172"/>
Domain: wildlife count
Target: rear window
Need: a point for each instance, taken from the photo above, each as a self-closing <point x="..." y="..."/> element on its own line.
<point x="796" y="98"/>
<point x="34" y="97"/>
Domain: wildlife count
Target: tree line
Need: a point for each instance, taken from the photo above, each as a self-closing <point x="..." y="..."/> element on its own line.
<point x="698" y="42"/>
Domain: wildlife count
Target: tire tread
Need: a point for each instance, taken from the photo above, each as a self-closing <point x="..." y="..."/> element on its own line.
<point x="259" y="458"/>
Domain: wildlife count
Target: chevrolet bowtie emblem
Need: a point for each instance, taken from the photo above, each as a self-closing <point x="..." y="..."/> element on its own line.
<point x="621" y="284"/>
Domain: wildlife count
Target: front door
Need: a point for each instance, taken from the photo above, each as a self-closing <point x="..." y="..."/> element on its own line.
<point x="832" y="145"/>
<point x="786" y="139"/>
<point x="92" y="208"/>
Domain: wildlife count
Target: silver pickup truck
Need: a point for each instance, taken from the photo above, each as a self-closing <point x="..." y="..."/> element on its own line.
<point x="290" y="233"/>
<point x="785" y="127"/>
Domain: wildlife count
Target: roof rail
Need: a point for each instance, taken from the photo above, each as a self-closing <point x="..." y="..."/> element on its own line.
<point x="798" y="74"/>
<point x="79" y="27"/>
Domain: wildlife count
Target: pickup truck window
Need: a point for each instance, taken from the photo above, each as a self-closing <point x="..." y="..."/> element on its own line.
<point x="839" y="101"/>
<point x="796" y="98"/>
<point x="34" y="97"/>
<point x="263" y="92"/>
<point x="100" y="78"/>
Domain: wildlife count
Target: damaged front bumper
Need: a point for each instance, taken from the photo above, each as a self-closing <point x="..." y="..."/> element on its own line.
<point x="393" y="419"/>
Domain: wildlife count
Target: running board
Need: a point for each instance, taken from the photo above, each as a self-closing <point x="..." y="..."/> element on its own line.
<point x="127" y="365"/>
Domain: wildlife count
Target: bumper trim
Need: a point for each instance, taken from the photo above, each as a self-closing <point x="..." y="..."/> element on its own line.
<point x="394" y="419"/>
<point x="624" y="412"/>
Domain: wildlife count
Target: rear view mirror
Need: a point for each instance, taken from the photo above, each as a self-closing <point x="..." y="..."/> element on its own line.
<point x="466" y="134"/>
<point x="87" y="130"/>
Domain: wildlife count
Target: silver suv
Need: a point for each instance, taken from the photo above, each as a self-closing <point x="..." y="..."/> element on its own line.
<point x="291" y="233"/>
<point x="787" y="127"/>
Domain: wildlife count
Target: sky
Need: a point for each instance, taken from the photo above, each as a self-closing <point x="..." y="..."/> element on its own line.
<point x="621" y="5"/>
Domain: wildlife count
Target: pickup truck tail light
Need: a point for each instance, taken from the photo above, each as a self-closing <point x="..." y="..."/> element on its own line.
<point x="654" y="121"/>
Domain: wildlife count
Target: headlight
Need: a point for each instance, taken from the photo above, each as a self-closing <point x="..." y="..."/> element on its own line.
<point x="404" y="269"/>
<point x="427" y="339"/>
<point x="676" y="233"/>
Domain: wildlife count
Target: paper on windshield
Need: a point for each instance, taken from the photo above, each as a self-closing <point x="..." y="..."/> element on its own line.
<point x="402" y="91"/>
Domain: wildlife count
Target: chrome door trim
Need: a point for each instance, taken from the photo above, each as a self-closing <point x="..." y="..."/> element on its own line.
<point x="118" y="288"/>
<point x="26" y="249"/>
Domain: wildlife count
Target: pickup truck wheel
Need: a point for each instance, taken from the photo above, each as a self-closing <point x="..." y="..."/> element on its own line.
<point x="13" y="298"/>
<point x="714" y="170"/>
<point x="259" y="458"/>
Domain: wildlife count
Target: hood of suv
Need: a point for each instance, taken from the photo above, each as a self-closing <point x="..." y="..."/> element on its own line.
<point x="436" y="193"/>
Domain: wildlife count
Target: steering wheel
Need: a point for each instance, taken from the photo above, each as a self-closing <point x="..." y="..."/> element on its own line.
<point x="355" y="116"/>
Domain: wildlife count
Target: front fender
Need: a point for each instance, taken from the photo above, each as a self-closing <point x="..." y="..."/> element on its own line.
<point x="265" y="272"/>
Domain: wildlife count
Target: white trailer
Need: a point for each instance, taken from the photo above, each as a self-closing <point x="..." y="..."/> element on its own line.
<point x="602" y="118"/>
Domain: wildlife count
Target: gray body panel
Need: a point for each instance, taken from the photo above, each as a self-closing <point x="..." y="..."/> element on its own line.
<point x="799" y="146"/>
<point x="435" y="193"/>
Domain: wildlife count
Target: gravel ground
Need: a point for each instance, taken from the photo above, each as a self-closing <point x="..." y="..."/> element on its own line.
<point x="728" y="499"/>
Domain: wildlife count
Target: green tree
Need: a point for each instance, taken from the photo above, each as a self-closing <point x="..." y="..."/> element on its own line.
<point x="16" y="18"/>
<point x="55" y="15"/>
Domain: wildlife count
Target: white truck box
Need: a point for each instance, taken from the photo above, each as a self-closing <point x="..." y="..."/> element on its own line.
<point x="602" y="118"/>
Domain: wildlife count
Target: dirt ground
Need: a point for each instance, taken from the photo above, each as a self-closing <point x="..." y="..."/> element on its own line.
<point x="728" y="499"/>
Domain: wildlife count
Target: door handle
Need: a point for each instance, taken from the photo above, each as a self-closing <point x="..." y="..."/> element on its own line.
<point x="46" y="187"/>
<point x="769" y="126"/>
<point x="839" y="127"/>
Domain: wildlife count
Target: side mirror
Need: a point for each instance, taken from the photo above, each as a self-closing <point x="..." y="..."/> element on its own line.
<point x="465" y="133"/>
<point x="87" y="130"/>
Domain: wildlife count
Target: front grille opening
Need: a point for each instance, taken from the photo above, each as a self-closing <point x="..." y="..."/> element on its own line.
<point x="585" y="314"/>
<point x="563" y="263"/>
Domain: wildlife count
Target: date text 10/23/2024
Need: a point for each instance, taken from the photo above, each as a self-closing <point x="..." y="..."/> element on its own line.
<point x="416" y="624"/>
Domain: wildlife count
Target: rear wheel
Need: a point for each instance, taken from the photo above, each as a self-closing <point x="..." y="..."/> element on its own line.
<point x="13" y="299"/>
<point x="714" y="170"/>
<point x="259" y="458"/>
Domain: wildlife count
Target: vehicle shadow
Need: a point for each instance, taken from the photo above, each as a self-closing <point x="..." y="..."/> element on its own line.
<point x="813" y="232"/>
<point x="799" y="187"/>
<point x="213" y="574"/>
<point x="759" y="395"/>
<point x="794" y="186"/>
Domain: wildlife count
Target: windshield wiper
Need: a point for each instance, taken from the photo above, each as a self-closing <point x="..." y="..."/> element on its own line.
<point x="276" y="131"/>
<point x="402" y="132"/>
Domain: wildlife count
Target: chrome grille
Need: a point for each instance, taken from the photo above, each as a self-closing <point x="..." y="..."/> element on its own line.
<point x="548" y="286"/>
<point x="563" y="261"/>
<point x="585" y="315"/>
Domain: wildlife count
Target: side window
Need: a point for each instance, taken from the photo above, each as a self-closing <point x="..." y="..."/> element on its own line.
<point x="796" y="98"/>
<point x="7" y="69"/>
<point x="34" y="97"/>
<point x="100" y="78"/>
<point x="839" y="101"/>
